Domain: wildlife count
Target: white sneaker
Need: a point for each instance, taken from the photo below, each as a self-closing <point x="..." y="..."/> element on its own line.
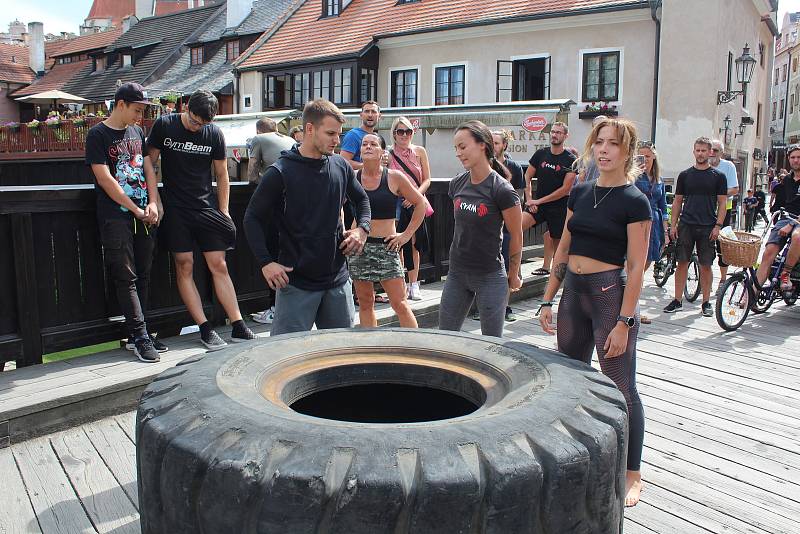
<point x="264" y="317"/>
<point x="415" y="292"/>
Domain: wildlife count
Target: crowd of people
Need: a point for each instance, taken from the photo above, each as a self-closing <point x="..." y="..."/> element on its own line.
<point x="323" y="225"/>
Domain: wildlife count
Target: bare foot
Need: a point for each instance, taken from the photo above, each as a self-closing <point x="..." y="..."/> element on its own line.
<point x="633" y="487"/>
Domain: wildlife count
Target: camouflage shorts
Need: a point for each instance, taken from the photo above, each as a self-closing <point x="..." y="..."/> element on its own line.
<point x="375" y="263"/>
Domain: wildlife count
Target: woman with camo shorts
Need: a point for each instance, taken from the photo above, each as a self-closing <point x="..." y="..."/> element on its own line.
<point x="380" y="260"/>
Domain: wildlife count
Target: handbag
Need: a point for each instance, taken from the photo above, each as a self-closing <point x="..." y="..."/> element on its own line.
<point x="428" y="208"/>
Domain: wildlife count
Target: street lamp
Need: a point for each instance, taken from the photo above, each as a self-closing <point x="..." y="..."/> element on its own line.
<point x="726" y="125"/>
<point x="742" y="126"/>
<point x="745" y="64"/>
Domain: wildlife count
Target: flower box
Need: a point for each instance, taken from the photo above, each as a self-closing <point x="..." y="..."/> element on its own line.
<point x="610" y="112"/>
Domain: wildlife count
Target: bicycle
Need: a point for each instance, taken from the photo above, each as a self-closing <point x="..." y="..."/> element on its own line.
<point x="665" y="267"/>
<point x="740" y="293"/>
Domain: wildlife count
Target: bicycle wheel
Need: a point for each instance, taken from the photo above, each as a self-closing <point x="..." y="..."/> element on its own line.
<point x="733" y="303"/>
<point x="692" y="288"/>
<point x="662" y="269"/>
<point x="764" y="300"/>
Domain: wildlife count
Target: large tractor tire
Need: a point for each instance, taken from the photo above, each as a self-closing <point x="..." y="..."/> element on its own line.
<point x="385" y="430"/>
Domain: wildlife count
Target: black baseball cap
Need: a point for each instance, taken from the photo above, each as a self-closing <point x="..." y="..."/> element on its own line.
<point x="131" y="92"/>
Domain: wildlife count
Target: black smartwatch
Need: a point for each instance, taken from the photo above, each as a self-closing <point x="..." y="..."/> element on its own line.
<point x="630" y="322"/>
<point x="365" y="226"/>
<point x="718" y="225"/>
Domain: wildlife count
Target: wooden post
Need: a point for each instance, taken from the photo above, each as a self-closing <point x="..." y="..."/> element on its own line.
<point x="27" y="299"/>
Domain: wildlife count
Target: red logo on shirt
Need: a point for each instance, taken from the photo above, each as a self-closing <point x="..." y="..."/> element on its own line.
<point x="548" y="165"/>
<point x="482" y="210"/>
<point x="457" y="204"/>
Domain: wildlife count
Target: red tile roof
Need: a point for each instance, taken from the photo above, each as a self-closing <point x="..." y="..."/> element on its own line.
<point x="116" y="10"/>
<point x="56" y="78"/>
<point x="306" y="36"/>
<point x="14" y="64"/>
<point x="19" y="53"/>
<point x="84" y="43"/>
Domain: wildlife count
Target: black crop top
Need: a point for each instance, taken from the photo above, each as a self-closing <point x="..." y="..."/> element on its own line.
<point x="381" y="199"/>
<point x="601" y="232"/>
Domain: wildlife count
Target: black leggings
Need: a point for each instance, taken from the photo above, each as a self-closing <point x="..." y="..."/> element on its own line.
<point x="587" y="313"/>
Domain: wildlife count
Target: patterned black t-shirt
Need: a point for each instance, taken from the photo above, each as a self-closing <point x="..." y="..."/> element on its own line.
<point x="122" y="152"/>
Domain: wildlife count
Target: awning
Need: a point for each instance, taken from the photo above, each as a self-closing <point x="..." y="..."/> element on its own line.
<point x="238" y="129"/>
<point x="448" y="117"/>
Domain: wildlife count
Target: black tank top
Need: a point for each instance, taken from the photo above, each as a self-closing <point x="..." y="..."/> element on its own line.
<point x="382" y="201"/>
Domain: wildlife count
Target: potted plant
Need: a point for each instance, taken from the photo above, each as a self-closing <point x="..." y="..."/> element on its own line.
<point x="53" y="121"/>
<point x="598" y="108"/>
<point x="11" y="126"/>
<point x="33" y="125"/>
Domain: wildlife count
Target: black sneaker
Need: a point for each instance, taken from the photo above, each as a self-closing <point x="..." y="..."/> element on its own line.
<point x="212" y="341"/>
<point x="240" y="335"/>
<point x="707" y="310"/>
<point x="510" y="315"/>
<point x="673" y="306"/>
<point x="158" y="345"/>
<point x="144" y="350"/>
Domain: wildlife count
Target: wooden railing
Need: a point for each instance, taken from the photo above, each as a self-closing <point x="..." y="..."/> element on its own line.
<point x="55" y="294"/>
<point x="67" y="138"/>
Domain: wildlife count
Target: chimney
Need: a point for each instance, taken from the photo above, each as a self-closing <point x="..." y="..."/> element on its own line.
<point x="36" y="47"/>
<point x="236" y="11"/>
<point x="128" y="22"/>
<point x="144" y="8"/>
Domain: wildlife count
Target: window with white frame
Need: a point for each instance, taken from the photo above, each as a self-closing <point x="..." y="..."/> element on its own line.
<point x="600" y="76"/>
<point x="404" y="88"/>
<point x="449" y="85"/>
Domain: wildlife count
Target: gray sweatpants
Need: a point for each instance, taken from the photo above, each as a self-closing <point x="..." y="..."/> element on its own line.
<point x="489" y="290"/>
<point x="297" y="310"/>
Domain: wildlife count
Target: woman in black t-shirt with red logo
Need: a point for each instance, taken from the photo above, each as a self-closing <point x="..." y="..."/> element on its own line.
<point x="601" y="260"/>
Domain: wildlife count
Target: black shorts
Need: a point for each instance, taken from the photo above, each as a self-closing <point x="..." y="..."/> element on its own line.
<point x="691" y="236"/>
<point x="553" y="215"/>
<point x="209" y="228"/>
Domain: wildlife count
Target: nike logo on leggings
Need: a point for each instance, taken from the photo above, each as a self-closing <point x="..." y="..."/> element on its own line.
<point x="604" y="289"/>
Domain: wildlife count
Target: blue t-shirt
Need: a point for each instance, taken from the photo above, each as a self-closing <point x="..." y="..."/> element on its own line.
<point x="729" y="170"/>
<point x="352" y="142"/>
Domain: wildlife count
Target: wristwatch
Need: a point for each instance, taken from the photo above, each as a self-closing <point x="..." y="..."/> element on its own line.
<point x="365" y="226"/>
<point x="630" y="322"/>
<point x="718" y="224"/>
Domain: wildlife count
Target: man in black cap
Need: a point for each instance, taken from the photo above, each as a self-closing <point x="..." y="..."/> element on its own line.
<point x="189" y="146"/>
<point x="127" y="213"/>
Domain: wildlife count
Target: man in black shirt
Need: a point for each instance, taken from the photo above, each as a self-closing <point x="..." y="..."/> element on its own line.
<point x="701" y="195"/>
<point x="786" y="228"/>
<point x="189" y="145"/>
<point x="303" y="194"/>
<point x="762" y="202"/>
<point x="127" y="198"/>
<point x="553" y="169"/>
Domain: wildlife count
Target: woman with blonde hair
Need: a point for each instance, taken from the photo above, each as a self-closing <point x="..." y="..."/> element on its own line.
<point x="411" y="160"/>
<point x="600" y="260"/>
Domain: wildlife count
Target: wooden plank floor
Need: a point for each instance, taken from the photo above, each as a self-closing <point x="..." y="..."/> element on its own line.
<point x="721" y="449"/>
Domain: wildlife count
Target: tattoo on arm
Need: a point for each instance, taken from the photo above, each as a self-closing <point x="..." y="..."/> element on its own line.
<point x="560" y="271"/>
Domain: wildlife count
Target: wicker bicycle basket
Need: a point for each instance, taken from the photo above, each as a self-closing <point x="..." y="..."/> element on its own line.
<point x="741" y="252"/>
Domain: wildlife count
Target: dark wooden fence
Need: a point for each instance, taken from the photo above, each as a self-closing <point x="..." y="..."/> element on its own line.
<point x="55" y="294"/>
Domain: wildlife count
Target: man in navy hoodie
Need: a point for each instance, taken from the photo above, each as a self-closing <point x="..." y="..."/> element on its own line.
<point x="303" y="194"/>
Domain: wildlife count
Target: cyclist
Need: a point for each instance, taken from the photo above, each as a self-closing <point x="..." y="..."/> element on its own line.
<point x="785" y="228"/>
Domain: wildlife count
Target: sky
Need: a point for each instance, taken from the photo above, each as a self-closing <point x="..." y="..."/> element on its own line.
<point x="57" y="15"/>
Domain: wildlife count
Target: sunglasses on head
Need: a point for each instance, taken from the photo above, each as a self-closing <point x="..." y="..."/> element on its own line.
<point x="401" y="131"/>
<point x="646" y="144"/>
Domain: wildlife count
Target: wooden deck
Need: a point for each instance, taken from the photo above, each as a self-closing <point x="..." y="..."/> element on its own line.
<point x="722" y="452"/>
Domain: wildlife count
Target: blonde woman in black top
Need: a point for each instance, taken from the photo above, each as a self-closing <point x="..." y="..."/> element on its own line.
<point x="601" y="260"/>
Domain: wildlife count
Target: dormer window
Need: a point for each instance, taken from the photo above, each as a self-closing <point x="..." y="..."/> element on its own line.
<point x="197" y="55"/>
<point x="231" y="51"/>
<point x="407" y="1"/>
<point x="127" y="60"/>
<point x="332" y="8"/>
<point x="99" y="64"/>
